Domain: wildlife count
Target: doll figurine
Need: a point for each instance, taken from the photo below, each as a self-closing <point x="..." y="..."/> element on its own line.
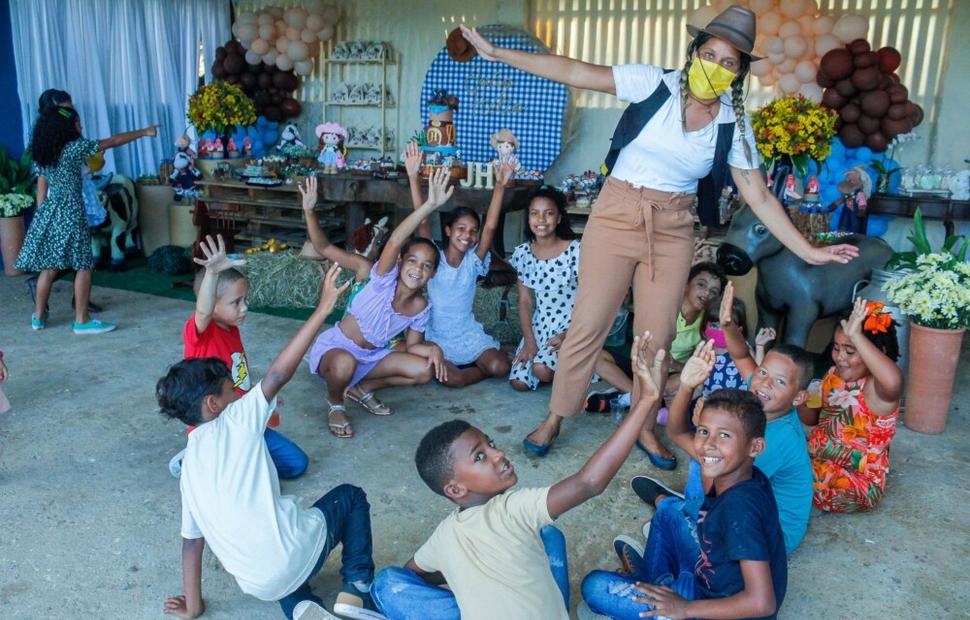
<point x="791" y="194"/>
<point x="290" y="136"/>
<point x="247" y="146"/>
<point x="331" y="137"/>
<point x="217" y="151"/>
<point x="233" y="148"/>
<point x="505" y="142"/>
<point x="856" y="190"/>
<point x="184" y="176"/>
<point x="184" y="145"/>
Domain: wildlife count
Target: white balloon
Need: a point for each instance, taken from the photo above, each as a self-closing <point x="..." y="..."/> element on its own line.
<point x="267" y="33"/>
<point x="303" y="67"/>
<point x="823" y="24"/>
<point x="265" y="19"/>
<point x="298" y="50"/>
<point x="308" y="36"/>
<point x="767" y="80"/>
<point x="235" y="28"/>
<point x="826" y="43"/>
<point x="769" y="23"/>
<point x="789" y="29"/>
<point x="789" y="84"/>
<point x="284" y="63"/>
<point x="760" y="68"/>
<point x="795" y="46"/>
<point x="805" y="71"/>
<point x="325" y="34"/>
<point x="761" y="6"/>
<point x="270" y="57"/>
<point x="246" y="18"/>
<point x="260" y="46"/>
<point x="314" y="22"/>
<point x="812" y="92"/>
<point x="806" y="22"/>
<point x="776" y="59"/>
<point x="791" y="8"/>
<point x="851" y="27"/>
<point x="774" y="45"/>
<point x="253" y="57"/>
<point x="247" y="32"/>
<point x="282" y="45"/>
<point x="292" y="34"/>
<point x="281" y="27"/>
<point x="786" y="66"/>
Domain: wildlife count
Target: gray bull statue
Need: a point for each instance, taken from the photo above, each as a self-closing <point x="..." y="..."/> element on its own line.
<point x="788" y="287"/>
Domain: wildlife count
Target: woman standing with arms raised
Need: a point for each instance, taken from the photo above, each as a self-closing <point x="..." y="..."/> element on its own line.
<point x="681" y="127"/>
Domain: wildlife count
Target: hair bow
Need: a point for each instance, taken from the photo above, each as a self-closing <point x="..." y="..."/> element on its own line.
<point x="877" y="319"/>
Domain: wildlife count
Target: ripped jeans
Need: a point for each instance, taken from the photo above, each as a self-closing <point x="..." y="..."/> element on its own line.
<point x="401" y="594"/>
<point x="668" y="560"/>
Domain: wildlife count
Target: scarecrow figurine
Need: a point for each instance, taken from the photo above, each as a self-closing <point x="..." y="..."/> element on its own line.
<point x="505" y="142"/>
<point x="184" y="145"/>
<point x="184" y="176"/>
<point x="331" y="137"/>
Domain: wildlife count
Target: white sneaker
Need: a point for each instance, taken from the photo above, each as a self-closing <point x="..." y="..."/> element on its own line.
<point x="175" y="465"/>
<point x="308" y="610"/>
<point x="646" y="530"/>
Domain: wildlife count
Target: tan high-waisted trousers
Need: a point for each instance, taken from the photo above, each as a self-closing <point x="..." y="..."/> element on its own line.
<point x="636" y="235"/>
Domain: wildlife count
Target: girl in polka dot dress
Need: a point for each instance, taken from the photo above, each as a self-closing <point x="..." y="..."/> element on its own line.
<point x="548" y="268"/>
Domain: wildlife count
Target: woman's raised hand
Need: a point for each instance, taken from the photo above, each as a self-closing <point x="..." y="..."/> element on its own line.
<point x="308" y="193"/>
<point x="485" y="49"/>
<point x="438" y="190"/>
<point x="412" y="159"/>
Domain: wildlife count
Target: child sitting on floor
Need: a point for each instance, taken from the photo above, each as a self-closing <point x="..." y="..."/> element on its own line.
<point x="213" y="331"/>
<point x="231" y="493"/>
<point x="493" y="551"/>
<point x="704" y="283"/>
<point x="470" y="353"/>
<point x="860" y="404"/>
<point x="352" y="356"/>
<point x="780" y="383"/>
<point x="548" y="269"/>
<point x="725" y="373"/>
<point x="733" y="564"/>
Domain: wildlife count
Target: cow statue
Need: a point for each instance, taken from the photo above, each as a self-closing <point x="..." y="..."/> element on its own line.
<point x="119" y="230"/>
<point x="788" y="287"/>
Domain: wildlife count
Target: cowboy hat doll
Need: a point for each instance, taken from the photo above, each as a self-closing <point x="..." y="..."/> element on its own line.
<point x="331" y="137"/>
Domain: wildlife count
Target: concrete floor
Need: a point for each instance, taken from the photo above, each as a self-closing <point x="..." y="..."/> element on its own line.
<point x="90" y="514"/>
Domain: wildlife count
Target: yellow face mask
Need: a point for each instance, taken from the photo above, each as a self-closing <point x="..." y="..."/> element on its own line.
<point x="708" y="80"/>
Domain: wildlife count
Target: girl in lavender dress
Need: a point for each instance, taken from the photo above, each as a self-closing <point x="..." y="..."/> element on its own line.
<point x="352" y="357"/>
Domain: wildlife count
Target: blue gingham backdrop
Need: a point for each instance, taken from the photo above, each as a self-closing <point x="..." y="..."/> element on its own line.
<point x="493" y="96"/>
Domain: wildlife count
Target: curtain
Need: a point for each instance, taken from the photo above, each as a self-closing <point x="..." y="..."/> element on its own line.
<point x="126" y="63"/>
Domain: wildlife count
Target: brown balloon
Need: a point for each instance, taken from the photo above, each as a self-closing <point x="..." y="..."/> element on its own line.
<point x="235" y="47"/>
<point x="875" y="103"/>
<point x="865" y="59"/>
<point x="218" y="72"/>
<point x="264" y="80"/>
<point x="851" y="136"/>
<point x="893" y="127"/>
<point x="859" y="46"/>
<point x="823" y="80"/>
<point x="898" y="93"/>
<point x="917" y="115"/>
<point x="897" y="111"/>
<point x="234" y="63"/>
<point x="220" y="53"/>
<point x="272" y="113"/>
<point x="867" y="124"/>
<point x="248" y="80"/>
<point x="832" y="99"/>
<point x="290" y="107"/>
<point x="846" y="88"/>
<point x="850" y="112"/>
<point x="877" y="142"/>
<point x="837" y="63"/>
<point x="889" y="59"/>
<point x="866" y="79"/>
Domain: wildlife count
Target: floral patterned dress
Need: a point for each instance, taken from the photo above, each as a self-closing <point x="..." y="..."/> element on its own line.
<point x="58" y="237"/>
<point x="849" y="448"/>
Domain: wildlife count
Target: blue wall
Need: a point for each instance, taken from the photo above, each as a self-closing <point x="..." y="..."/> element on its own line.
<point x="11" y="129"/>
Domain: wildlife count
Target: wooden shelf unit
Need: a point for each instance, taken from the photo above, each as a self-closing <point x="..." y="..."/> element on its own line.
<point x="334" y="72"/>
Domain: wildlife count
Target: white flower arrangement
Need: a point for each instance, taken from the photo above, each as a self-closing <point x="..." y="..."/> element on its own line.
<point x="936" y="293"/>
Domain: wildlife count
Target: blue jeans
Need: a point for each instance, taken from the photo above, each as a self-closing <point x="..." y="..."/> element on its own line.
<point x="289" y="459"/>
<point x="668" y="560"/>
<point x="347" y="514"/>
<point x="401" y="594"/>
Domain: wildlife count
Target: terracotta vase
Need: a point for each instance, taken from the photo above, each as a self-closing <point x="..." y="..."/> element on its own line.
<point x="11" y="239"/>
<point x="933" y="358"/>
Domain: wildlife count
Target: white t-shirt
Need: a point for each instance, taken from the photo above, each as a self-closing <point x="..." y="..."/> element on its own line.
<point x="493" y="559"/>
<point x="663" y="157"/>
<point x="231" y="497"/>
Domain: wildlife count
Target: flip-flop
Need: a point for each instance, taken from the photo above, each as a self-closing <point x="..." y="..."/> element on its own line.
<point x="334" y="427"/>
<point x="370" y="402"/>
<point x="658" y="461"/>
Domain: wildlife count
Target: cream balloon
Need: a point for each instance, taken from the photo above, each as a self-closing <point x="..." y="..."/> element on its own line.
<point x="760" y="68"/>
<point x="295" y="17"/>
<point x="805" y="71"/>
<point x="267" y="33"/>
<point x="260" y="46"/>
<point x="826" y="43"/>
<point x="789" y="29"/>
<point x="789" y="84"/>
<point x="303" y="67"/>
<point x="806" y="22"/>
<point x="281" y="27"/>
<point x="325" y="34"/>
<point x="246" y="18"/>
<point x="769" y="23"/>
<point x="308" y="36"/>
<point x="253" y="57"/>
<point x="283" y="62"/>
<point x="786" y="66"/>
<point x="293" y="34"/>
<point x="247" y="33"/>
<point x="795" y="46"/>
<point x="791" y="8"/>
<point x="314" y="22"/>
<point x="702" y="16"/>
<point x="282" y="45"/>
<point x="850" y="27"/>
<point x="823" y="25"/>
<point x="760" y="7"/>
<point x="270" y="57"/>
<point x="812" y="92"/>
<point x="774" y="45"/>
<point x="776" y="59"/>
<point x="767" y="80"/>
<point x="298" y="50"/>
<point x="275" y="11"/>
<point x="265" y="19"/>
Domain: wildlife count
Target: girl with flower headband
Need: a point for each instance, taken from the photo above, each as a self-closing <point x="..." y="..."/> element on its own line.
<point x="860" y="404"/>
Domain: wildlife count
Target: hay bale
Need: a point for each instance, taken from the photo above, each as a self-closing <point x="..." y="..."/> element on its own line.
<point x="283" y="279"/>
<point x="489" y="307"/>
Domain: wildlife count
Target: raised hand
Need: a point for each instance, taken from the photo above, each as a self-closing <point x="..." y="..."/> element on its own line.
<point x="699" y="366"/>
<point x="308" y="193"/>
<point x="647" y="369"/>
<point x="725" y="316"/>
<point x="485" y="49"/>
<point x="329" y="291"/>
<point x="412" y="159"/>
<point x="438" y="190"/>
<point x="504" y="172"/>
<point x="215" y="260"/>
<point x="853" y="325"/>
<point x="765" y="335"/>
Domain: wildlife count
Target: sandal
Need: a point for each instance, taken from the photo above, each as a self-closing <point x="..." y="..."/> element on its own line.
<point x="370" y="402"/>
<point x="336" y="427"/>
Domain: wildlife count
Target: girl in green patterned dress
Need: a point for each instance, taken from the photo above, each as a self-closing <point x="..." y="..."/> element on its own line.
<point x="58" y="238"/>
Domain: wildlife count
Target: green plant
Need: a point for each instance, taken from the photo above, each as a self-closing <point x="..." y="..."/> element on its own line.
<point x="16" y="176"/>
<point x="921" y="246"/>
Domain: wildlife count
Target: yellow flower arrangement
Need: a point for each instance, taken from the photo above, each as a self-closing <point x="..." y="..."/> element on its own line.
<point x="220" y="106"/>
<point x="793" y="126"/>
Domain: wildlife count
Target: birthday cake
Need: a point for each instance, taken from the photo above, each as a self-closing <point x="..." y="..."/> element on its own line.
<point x="440" y="141"/>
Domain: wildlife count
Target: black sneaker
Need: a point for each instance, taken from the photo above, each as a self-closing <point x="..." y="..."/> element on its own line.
<point x="352" y="603"/>
<point x="599" y="402"/>
<point x="648" y="489"/>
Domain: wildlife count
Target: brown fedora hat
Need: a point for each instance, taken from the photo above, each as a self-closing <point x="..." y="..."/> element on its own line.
<point x="459" y="48"/>
<point x="736" y="25"/>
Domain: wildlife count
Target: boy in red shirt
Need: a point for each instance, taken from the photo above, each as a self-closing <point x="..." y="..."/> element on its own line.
<point x="213" y="331"/>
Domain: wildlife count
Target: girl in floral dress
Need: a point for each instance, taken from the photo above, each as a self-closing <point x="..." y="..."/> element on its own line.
<point x="58" y="238"/>
<point x="860" y="405"/>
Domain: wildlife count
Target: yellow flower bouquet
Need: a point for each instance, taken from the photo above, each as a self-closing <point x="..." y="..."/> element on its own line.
<point x="796" y="127"/>
<point x="220" y="106"/>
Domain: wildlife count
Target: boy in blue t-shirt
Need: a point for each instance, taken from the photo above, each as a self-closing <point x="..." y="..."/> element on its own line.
<point x="736" y="567"/>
